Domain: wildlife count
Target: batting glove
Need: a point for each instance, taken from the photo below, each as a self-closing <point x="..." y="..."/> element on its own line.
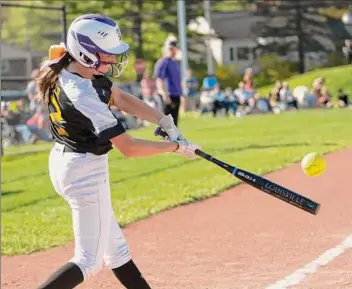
<point x="168" y="125"/>
<point x="187" y="148"/>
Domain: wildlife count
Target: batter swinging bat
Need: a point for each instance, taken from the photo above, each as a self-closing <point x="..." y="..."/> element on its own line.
<point x="260" y="183"/>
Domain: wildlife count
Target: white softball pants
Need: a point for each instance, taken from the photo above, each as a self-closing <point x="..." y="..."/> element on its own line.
<point x="83" y="181"/>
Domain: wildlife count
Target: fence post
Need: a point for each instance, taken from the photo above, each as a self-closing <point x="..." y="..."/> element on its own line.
<point x="64" y="23"/>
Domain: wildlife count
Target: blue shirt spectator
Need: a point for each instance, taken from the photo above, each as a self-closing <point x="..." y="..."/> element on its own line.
<point x="218" y="95"/>
<point x="191" y="84"/>
<point x="169" y="69"/>
<point x="209" y="82"/>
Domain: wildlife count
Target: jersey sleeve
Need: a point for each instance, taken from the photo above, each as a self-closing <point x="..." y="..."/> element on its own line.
<point x="104" y="124"/>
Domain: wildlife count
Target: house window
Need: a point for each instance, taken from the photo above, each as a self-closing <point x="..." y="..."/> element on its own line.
<point x="243" y="53"/>
<point x="232" y="55"/>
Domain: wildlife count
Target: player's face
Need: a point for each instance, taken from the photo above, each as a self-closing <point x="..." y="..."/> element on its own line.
<point x="112" y="65"/>
<point x="105" y="62"/>
<point x="174" y="51"/>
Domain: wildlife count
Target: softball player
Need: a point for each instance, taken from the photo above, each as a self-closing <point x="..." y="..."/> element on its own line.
<point x="74" y="84"/>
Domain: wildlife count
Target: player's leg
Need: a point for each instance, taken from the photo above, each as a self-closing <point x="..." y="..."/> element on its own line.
<point x="82" y="181"/>
<point x="117" y="258"/>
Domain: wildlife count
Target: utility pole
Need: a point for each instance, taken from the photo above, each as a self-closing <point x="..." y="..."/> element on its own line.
<point x="210" y="62"/>
<point x="182" y="35"/>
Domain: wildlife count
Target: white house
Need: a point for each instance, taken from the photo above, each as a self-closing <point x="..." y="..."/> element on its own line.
<point x="17" y="64"/>
<point x="233" y="41"/>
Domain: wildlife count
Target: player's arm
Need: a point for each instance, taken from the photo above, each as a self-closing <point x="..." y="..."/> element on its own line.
<point x="134" y="106"/>
<point x="108" y="128"/>
<point x="133" y="147"/>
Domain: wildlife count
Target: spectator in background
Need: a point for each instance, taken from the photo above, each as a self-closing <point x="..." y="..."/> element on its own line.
<point x="209" y="82"/>
<point x="242" y="95"/>
<point x="347" y="51"/>
<point x="325" y="99"/>
<point x="168" y="70"/>
<point x="259" y="105"/>
<point x="32" y="91"/>
<point x="287" y="100"/>
<point x="38" y="124"/>
<point x="342" y="99"/>
<point x="218" y="99"/>
<point x="230" y="101"/>
<point x="248" y="80"/>
<point x="149" y="95"/>
<point x="276" y="91"/>
<point x="315" y="94"/>
<point x="13" y="120"/>
<point x="318" y="84"/>
<point x="191" y="90"/>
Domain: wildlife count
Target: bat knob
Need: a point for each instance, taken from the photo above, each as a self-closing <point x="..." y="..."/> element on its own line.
<point x="159" y="132"/>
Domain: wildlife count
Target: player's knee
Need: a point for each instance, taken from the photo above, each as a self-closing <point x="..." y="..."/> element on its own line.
<point x="121" y="257"/>
<point x="89" y="266"/>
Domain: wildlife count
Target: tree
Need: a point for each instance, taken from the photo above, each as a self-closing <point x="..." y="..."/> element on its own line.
<point x="299" y="23"/>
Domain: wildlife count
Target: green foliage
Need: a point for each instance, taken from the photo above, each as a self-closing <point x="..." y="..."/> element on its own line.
<point x="273" y="68"/>
<point x="144" y="29"/>
<point x="335" y="59"/>
<point x="332" y="12"/>
<point x="34" y="217"/>
<point x="227" y="76"/>
<point x="230" y="5"/>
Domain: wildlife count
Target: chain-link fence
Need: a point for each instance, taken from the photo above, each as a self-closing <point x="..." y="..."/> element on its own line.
<point x="27" y="31"/>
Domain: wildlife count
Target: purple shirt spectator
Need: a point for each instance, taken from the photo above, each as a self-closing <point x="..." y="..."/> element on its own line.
<point x="169" y="70"/>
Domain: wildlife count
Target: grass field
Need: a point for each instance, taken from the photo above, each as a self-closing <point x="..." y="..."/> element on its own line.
<point x="35" y="218"/>
<point x="335" y="79"/>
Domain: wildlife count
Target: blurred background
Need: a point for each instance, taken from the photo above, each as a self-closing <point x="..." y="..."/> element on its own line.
<point x="229" y="51"/>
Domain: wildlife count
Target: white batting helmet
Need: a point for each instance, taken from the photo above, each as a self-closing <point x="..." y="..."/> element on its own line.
<point x="91" y="34"/>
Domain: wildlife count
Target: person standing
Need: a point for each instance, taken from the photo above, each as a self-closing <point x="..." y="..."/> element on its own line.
<point x="168" y="71"/>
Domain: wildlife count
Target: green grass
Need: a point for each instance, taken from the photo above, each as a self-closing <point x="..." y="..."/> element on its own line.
<point x="336" y="78"/>
<point x="35" y="218"/>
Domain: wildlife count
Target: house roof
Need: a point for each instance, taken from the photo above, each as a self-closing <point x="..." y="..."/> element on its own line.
<point x="235" y="24"/>
<point x="338" y="28"/>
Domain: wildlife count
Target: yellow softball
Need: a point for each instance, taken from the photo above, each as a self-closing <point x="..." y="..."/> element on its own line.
<point x="313" y="164"/>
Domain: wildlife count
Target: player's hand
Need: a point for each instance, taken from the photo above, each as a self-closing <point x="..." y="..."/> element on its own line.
<point x="166" y="99"/>
<point x="187" y="148"/>
<point x="168" y="125"/>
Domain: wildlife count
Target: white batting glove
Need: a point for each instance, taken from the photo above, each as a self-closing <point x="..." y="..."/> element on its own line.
<point x="168" y="125"/>
<point x="187" y="148"/>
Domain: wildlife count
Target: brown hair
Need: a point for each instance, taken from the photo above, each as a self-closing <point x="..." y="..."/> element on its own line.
<point x="48" y="76"/>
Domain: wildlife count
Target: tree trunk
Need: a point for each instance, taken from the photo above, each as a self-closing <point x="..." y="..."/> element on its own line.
<point x="137" y="28"/>
<point x="300" y="37"/>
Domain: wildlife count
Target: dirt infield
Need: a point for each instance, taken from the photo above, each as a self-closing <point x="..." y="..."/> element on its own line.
<point x="240" y="239"/>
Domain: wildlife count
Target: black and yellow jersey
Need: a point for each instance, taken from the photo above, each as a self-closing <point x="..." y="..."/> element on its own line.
<point x="80" y="113"/>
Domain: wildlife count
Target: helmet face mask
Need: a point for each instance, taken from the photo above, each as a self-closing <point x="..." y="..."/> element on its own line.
<point x="115" y="68"/>
<point x="91" y="35"/>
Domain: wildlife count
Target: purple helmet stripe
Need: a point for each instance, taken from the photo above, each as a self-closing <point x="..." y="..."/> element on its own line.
<point x="99" y="18"/>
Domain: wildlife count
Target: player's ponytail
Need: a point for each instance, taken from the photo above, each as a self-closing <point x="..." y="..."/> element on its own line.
<point x="59" y="59"/>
